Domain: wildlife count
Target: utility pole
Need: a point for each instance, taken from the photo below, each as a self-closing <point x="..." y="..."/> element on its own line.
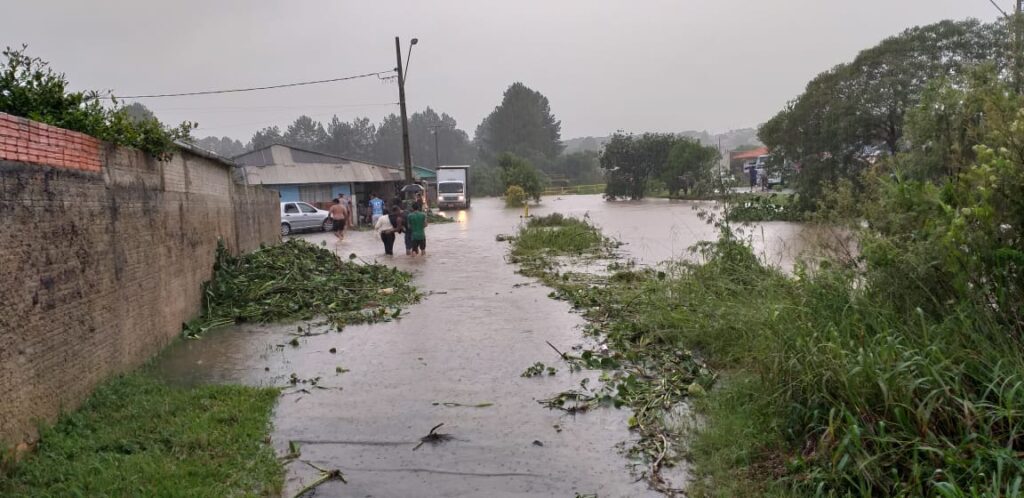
<point x="406" y="154"/>
<point x="437" y="150"/>
<point x="1017" y="24"/>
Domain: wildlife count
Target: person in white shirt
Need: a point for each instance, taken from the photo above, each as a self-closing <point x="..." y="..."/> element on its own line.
<point x="387" y="226"/>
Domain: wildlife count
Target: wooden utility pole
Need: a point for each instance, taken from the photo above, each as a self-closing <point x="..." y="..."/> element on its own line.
<point x="1017" y="25"/>
<point x="406" y="154"/>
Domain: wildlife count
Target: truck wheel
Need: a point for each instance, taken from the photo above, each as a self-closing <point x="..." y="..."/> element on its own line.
<point x="286" y="229"/>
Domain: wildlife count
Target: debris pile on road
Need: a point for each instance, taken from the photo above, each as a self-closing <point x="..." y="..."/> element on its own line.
<point x="297" y="280"/>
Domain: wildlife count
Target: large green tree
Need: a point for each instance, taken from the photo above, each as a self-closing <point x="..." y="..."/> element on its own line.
<point x="306" y="133"/>
<point x="850" y="114"/>
<point x="631" y="161"/>
<point x="451" y="146"/>
<point x="265" y="137"/>
<point x="522" y="125"/>
<point x="353" y="140"/>
<point x="690" y="167"/>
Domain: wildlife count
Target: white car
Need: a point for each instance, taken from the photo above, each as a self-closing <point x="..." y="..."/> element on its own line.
<point x="298" y="216"/>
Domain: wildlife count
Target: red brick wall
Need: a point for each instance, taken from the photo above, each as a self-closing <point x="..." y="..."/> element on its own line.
<point x="27" y="141"/>
<point x="99" y="270"/>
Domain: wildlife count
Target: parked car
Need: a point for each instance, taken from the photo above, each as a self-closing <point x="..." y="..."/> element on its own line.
<point x="298" y="216"/>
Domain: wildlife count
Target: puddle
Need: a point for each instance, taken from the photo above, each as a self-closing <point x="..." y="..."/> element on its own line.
<point x="467" y="344"/>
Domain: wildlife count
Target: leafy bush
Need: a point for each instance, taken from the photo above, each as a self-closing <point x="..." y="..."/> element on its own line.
<point x="518" y="171"/>
<point x="515" y="196"/>
<point x="30" y="89"/>
<point x="752" y="208"/>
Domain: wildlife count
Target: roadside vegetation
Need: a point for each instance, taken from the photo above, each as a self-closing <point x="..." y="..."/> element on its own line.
<point x="30" y="89"/>
<point x="895" y="371"/>
<point x="137" y="436"/>
<point x="297" y="280"/>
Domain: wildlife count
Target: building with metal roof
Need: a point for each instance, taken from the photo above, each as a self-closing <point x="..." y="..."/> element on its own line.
<point x="318" y="178"/>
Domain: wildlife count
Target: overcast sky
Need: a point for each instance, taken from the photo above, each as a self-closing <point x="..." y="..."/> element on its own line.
<point x="634" y="65"/>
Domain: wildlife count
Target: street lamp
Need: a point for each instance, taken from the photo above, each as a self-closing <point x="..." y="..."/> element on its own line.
<point x="406" y="154"/>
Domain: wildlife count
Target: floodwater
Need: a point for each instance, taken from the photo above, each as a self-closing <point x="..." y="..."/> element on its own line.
<point x="465" y="344"/>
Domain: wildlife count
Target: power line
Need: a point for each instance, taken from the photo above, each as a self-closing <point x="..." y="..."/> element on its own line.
<point x="271" y="87"/>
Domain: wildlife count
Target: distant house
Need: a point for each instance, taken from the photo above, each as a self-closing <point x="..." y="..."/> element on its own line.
<point x="738" y="158"/>
<point x="318" y="178"/>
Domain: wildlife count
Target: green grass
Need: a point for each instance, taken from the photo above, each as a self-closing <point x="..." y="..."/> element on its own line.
<point x="557" y="235"/>
<point x="136" y="436"/>
<point x="833" y="388"/>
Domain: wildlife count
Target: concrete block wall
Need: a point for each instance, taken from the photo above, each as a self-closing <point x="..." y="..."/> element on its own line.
<point x="103" y="250"/>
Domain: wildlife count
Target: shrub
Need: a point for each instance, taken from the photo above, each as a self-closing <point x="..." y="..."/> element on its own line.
<point x="30" y="89"/>
<point x="515" y="196"/>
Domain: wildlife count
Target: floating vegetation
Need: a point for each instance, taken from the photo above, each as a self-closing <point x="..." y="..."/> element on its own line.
<point x="538" y="369"/>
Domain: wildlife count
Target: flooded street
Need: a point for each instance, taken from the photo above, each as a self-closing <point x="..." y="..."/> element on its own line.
<point x="479" y="326"/>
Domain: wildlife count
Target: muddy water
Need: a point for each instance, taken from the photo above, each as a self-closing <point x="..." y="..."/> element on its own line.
<point x="467" y="344"/>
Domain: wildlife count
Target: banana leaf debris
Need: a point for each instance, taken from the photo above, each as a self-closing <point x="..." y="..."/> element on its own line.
<point x="297" y="280"/>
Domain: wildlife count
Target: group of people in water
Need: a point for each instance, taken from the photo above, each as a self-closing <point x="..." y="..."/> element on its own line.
<point x="407" y="218"/>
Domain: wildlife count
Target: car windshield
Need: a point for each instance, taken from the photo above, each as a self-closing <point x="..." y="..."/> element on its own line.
<point x="450" y="188"/>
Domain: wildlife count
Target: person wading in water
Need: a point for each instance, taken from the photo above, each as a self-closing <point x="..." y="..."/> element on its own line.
<point x="339" y="216"/>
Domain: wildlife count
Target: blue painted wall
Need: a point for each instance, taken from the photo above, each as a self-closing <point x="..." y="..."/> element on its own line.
<point x="341" y="188"/>
<point x="289" y="193"/>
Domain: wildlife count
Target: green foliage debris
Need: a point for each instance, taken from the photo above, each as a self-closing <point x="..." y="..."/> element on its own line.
<point x="297" y="280"/>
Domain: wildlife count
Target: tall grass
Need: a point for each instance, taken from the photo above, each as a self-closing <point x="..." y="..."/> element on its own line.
<point x="837" y="390"/>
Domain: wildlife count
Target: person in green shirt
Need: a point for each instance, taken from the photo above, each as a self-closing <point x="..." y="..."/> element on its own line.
<point x="418" y="229"/>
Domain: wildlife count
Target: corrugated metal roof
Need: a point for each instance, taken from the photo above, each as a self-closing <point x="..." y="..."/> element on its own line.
<point x="283" y="165"/>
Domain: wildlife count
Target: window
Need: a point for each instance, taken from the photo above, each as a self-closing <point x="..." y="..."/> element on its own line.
<point x="290" y="209"/>
<point x="315" y="193"/>
<point x="450" y="187"/>
<point x="306" y="208"/>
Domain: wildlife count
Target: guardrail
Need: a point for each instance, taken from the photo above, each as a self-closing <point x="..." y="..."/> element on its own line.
<point x="575" y="190"/>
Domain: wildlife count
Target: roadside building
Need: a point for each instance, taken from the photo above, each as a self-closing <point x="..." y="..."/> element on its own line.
<point x="317" y="178"/>
<point x="738" y="160"/>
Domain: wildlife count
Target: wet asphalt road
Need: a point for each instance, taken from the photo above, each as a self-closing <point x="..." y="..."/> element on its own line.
<point x="467" y="343"/>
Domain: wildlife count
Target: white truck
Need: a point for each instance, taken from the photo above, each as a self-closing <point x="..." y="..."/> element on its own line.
<point x="453" y="187"/>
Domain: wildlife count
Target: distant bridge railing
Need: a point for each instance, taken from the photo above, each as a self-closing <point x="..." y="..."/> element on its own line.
<point x="575" y="189"/>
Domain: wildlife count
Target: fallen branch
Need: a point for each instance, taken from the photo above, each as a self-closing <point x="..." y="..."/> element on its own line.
<point x="434" y="438"/>
<point x="325" y="476"/>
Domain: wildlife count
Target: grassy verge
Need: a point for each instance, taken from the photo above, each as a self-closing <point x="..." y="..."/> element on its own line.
<point x="838" y="384"/>
<point x="136" y="436"/>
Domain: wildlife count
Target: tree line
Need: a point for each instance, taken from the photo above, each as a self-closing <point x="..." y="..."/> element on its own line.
<point x="518" y="143"/>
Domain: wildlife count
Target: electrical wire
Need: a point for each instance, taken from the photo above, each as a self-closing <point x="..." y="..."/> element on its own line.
<point x="238" y="90"/>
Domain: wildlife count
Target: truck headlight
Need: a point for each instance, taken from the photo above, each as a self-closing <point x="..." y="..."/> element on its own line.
<point x="462" y="198"/>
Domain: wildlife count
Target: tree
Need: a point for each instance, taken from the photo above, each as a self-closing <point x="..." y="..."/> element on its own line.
<point x="387" y="145"/>
<point x="306" y="133"/>
<point x="522" y="125"/>
<point x="579" y="168"/>
<point x="519" y="172"/>
<point x="223" y="146"/>
<point x="850" y="114"/>
<point x="268" y="136"/>
<point x="630" y="162"/>
<point x="451" y="146"/>
<point x="690" y="165"/>
<point x="354" y="140"/>
<point x="138" y="112"/>
<point x="30" y="89"/>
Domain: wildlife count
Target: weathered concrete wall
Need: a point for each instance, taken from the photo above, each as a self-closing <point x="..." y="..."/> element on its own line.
<point x="102" y="253"/>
